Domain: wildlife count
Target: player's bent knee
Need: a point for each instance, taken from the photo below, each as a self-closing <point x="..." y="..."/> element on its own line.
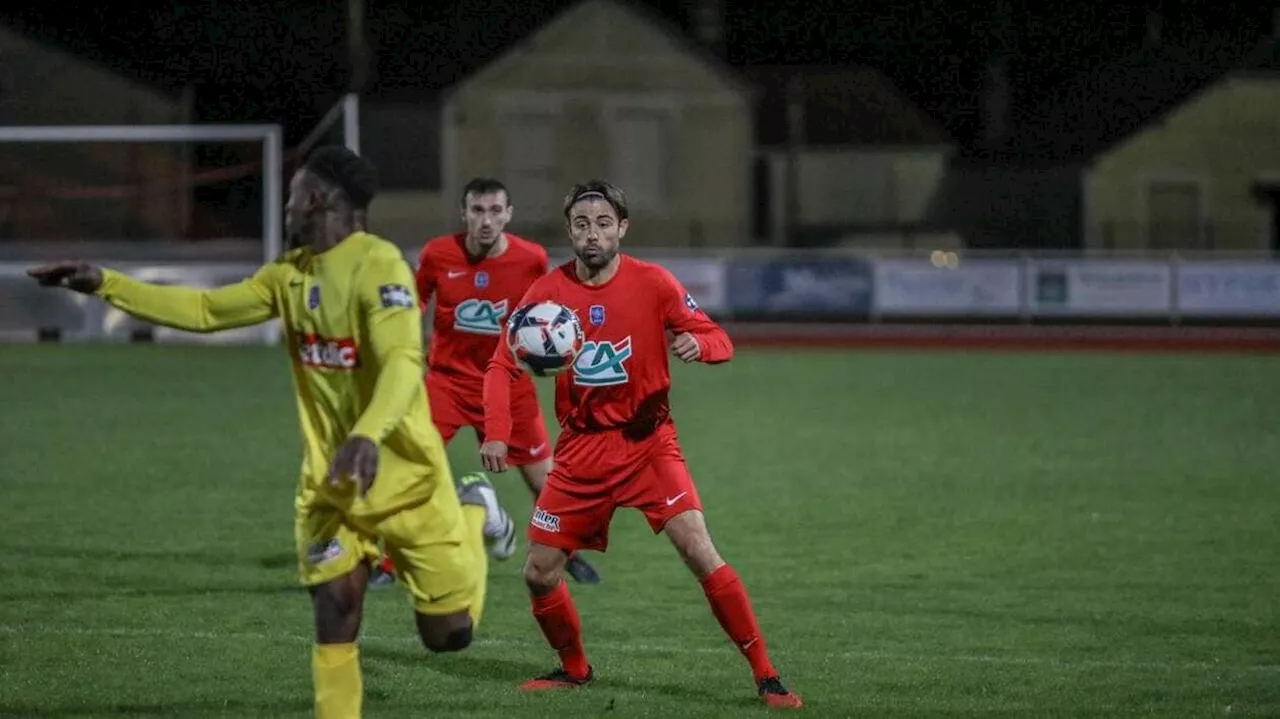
<point x="450" y="633"/>
<point x="541" y="582"/>
<point x="535" y="575"/>
<point x="454" y="641"/>
<point x="543" y="568"/>
<point x="688" y="532"/>
<point x="535" y="475"/>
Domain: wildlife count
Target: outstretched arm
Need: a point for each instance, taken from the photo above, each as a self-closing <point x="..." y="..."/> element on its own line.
<point x="698" y="337"/>
<point x="244" y="303"/>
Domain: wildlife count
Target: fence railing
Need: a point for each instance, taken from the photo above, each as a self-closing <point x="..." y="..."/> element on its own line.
<point x="772" y="284"/>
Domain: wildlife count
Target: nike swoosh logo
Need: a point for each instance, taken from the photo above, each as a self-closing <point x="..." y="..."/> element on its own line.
<point x="537" y="450"/>
<point x="455" y="275"/>
<point x="673" y="500"/>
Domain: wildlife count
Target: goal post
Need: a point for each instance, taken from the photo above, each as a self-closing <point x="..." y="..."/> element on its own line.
<point x="351" y="121"/>
<point x="270" y="165"/>
<point x="269" y="135"/>
<point x="127" y="194"/>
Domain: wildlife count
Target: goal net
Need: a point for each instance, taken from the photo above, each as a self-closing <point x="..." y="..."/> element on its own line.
<point x="198" y="205"/>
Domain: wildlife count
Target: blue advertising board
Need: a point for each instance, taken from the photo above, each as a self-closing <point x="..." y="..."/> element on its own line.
<point x="784" y="287"/>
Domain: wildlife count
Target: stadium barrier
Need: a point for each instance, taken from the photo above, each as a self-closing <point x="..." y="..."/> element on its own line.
<point x="772" y="286"/>
<point x="849" y="287"/>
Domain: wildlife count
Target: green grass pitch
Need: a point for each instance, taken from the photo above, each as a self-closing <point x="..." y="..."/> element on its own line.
<point x="922" y="533"/>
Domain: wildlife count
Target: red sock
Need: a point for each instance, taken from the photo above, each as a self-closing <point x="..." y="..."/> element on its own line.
<point x="732" y="607"/>
<point x="387" y="565"/>
<point x="560" y="624"/>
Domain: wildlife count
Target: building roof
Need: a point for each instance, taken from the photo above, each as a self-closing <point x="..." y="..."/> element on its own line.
<point x="159" y="83"/>
<point x="842" y="106"/>
<point x="1102" y="108"/>
<point x="461" y="55"/>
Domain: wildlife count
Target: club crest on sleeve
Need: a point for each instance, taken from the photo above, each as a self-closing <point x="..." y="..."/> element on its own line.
<point x="482" y="279"/>
<point x="688" y="302"/>
<point x="596" y="315"/>
<point x="396" y="296"/>
<point x="313" y="297"/>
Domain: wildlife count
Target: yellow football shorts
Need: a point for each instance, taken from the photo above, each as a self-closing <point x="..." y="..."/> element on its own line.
<point x="426" y="542"/>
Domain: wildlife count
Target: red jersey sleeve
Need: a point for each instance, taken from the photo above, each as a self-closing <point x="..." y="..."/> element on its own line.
<point x="501" y="373"/>
<point x="425" y="276"/>
<point x="682" y="314"/>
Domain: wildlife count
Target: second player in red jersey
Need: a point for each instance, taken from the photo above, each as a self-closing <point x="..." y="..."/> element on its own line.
<point x="618" y="444"/>
<point x="476" y="278"/>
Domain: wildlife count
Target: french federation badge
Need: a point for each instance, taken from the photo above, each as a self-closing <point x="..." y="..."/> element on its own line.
<point x="313" y="297"/>
<point x="482" y="279"/>
<point x="596" y="315"/>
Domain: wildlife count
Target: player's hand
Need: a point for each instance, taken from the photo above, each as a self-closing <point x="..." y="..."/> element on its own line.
<point x="686" y="348"/>
<point x="357" y="461"/>
<point x="78" y="276"/>
<point x="493" y="455"/>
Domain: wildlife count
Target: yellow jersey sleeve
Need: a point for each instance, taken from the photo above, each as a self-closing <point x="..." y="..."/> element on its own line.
<point x="248" y="302"/>
<point x="389" y="304"/>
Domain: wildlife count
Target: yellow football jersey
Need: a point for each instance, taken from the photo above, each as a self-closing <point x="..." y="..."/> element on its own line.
<point x="354" y="332"/>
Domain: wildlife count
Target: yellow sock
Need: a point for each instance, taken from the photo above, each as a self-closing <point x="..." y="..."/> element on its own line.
<point x="475" y="515"/>
<point x="335" y="671"/>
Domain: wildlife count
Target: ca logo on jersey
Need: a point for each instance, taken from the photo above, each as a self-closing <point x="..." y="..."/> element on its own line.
<point x="601" y="364"/>
<point x="480" y="317"/>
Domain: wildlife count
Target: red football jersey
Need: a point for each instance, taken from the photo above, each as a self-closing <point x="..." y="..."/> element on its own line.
<point x="622" y="376"/>
<point x="473" y="299"/>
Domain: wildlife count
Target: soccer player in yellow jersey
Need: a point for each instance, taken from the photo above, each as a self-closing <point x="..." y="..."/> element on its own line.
<point x="373" y="464"/>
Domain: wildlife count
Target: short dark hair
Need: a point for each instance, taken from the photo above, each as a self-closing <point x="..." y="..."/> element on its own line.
<point x="344" y="169"/>
<point x="590" y="189"/>
<point x="483" y="186"/>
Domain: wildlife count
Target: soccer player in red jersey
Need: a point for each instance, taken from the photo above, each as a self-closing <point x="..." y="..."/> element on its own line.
<point x="477" y="277"/>
<point x="618" y="445"/>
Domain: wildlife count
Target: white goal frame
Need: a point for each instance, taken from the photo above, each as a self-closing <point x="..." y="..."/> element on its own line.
<point x="270" y="136"/>
<point x="351" y="121"/>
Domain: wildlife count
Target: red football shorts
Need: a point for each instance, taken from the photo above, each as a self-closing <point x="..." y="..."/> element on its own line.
<point x="457" y="403"/>
<point x="595" y="473"/>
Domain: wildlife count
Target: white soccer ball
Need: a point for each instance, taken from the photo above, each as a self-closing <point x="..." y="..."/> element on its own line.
<point x="545" y="338"/>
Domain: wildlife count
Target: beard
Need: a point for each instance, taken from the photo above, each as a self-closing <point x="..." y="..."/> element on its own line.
<point x="484" y="244"/>
<point x="297" y="233"/>
<point x="596" y="258"/>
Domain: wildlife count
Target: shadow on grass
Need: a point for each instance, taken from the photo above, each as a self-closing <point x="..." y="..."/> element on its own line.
<point x="229" y="707"/>
<point x="212" y="556"/>
<point x="476" y="667"/>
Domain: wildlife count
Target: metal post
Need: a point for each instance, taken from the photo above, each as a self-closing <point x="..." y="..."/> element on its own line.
<point x="272" y="210"/>
<point x="351" y="122"/>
